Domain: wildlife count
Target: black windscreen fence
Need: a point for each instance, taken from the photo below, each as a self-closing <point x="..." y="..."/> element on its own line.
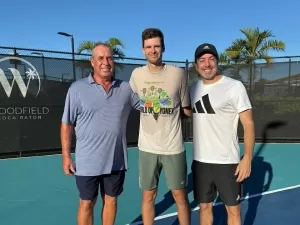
<point x="34" y="84"/>
<point x="32" y="96"/>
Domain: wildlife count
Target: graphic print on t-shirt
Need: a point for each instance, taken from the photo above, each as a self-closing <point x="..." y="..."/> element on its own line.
<point x="155" y="101"/>
<point x="206" y="102"/>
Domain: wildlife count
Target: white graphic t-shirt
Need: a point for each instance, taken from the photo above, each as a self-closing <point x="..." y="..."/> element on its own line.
<point x="162" y="94"/>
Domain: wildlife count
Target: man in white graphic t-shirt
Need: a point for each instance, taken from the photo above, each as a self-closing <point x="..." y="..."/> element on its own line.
<point x="218" y="103"/>
<point x="164" y="98"/>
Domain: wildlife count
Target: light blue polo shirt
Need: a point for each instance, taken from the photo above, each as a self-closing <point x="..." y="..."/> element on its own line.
<point x="100" y="121"/>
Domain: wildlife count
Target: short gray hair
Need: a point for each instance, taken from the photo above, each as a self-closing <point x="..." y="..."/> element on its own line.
<point x="101" y="44"/>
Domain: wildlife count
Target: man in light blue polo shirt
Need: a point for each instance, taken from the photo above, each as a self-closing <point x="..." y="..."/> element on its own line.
<point x="98" y="107"/>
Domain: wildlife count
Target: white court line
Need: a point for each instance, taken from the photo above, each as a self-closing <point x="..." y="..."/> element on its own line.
<point x="260" y="143"/>
<point x="33" y="156"/>
<point x="220" y="203"/>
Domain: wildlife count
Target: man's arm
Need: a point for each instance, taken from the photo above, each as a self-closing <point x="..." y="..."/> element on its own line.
<point x="185" y="97"/>
<point x="66" y="132"/>
<point x="242" y="105"/>
<point x="135" y="100"/>
<point x="244" y="168"/>
<point x="71" y="110"/>
<point x="246" y="118"/>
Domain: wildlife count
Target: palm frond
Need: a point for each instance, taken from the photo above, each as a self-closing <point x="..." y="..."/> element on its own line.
<point x="113" y="42"/>
<point x="255" y="44"/>
<point x="86" y="46"/>
<point x="267" y="58"/>
<point x="262" y="37"/>
<point x="117" y="52"/>
<point x="236" y="49"/>
<point x="272" y="45"/>
<point x="250" y="35"/>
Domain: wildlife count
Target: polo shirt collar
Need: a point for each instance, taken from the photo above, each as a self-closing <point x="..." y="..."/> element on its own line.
<point x="91" y="79"/>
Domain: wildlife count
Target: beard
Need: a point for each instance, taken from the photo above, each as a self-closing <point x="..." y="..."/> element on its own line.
<point x="211" y="77"/>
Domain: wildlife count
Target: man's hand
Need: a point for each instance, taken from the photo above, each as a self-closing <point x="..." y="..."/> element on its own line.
<point x="187" y="111"/>
<point x="243" y="170"/>
<point x="68" y="166"/>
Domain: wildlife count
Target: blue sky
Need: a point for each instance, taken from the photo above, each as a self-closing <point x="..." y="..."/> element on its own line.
<point x="186" y="24"/>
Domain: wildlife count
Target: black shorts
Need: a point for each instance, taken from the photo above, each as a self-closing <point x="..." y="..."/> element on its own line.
<point x="110" y="184"/>
<point x="210" y="179"/>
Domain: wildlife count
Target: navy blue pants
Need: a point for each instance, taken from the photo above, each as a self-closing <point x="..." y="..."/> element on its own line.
<point x="110" y="185"/>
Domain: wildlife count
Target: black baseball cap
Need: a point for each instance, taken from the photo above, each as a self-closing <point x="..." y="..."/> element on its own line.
<point x="206" y="48"/>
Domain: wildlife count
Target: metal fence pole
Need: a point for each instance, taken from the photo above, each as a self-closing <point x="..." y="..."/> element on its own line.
<point x="290" y="71"/>
<point x="187" y="70"/>
<point x="251" y="65"/>
<point x="187" y="126"/>
<point x="73" y="58"/>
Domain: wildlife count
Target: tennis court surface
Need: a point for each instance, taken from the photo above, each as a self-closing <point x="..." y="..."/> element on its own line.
<point x="279" y="207"/>
<point x="34" y="191"/>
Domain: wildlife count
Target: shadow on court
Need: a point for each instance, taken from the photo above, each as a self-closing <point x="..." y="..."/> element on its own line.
<point x="261" y="176"/>
<point x="259" y="182"/>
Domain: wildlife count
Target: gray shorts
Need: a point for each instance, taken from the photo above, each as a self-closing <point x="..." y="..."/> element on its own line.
<point x="151" y="165"/>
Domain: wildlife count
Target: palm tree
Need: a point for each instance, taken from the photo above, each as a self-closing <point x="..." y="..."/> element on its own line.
<point x="115" y="44"/>
<point x="255" y="45"/>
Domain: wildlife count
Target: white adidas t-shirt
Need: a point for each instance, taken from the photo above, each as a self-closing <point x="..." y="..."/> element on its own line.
<point x="216" y="109"/>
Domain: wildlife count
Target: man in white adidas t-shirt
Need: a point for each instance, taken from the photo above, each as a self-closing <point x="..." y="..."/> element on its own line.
<point x="219" y="102"/>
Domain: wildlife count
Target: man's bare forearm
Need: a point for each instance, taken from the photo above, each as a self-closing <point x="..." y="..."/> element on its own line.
<point x="66" y="133"/>
<point x="249" y="139"/>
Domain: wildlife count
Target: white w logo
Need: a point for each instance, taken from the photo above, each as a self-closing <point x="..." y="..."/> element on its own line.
<point x="31" y="74"/>
<point x="17" y="78"/>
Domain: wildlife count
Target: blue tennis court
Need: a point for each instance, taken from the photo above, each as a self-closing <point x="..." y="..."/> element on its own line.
<point x="34" y="191"/>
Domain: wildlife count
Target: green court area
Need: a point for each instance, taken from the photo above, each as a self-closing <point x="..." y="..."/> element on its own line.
<point x="35" y="191"/>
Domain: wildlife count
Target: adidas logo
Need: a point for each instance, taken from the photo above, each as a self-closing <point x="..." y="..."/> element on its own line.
<point x="206" y="102"/>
